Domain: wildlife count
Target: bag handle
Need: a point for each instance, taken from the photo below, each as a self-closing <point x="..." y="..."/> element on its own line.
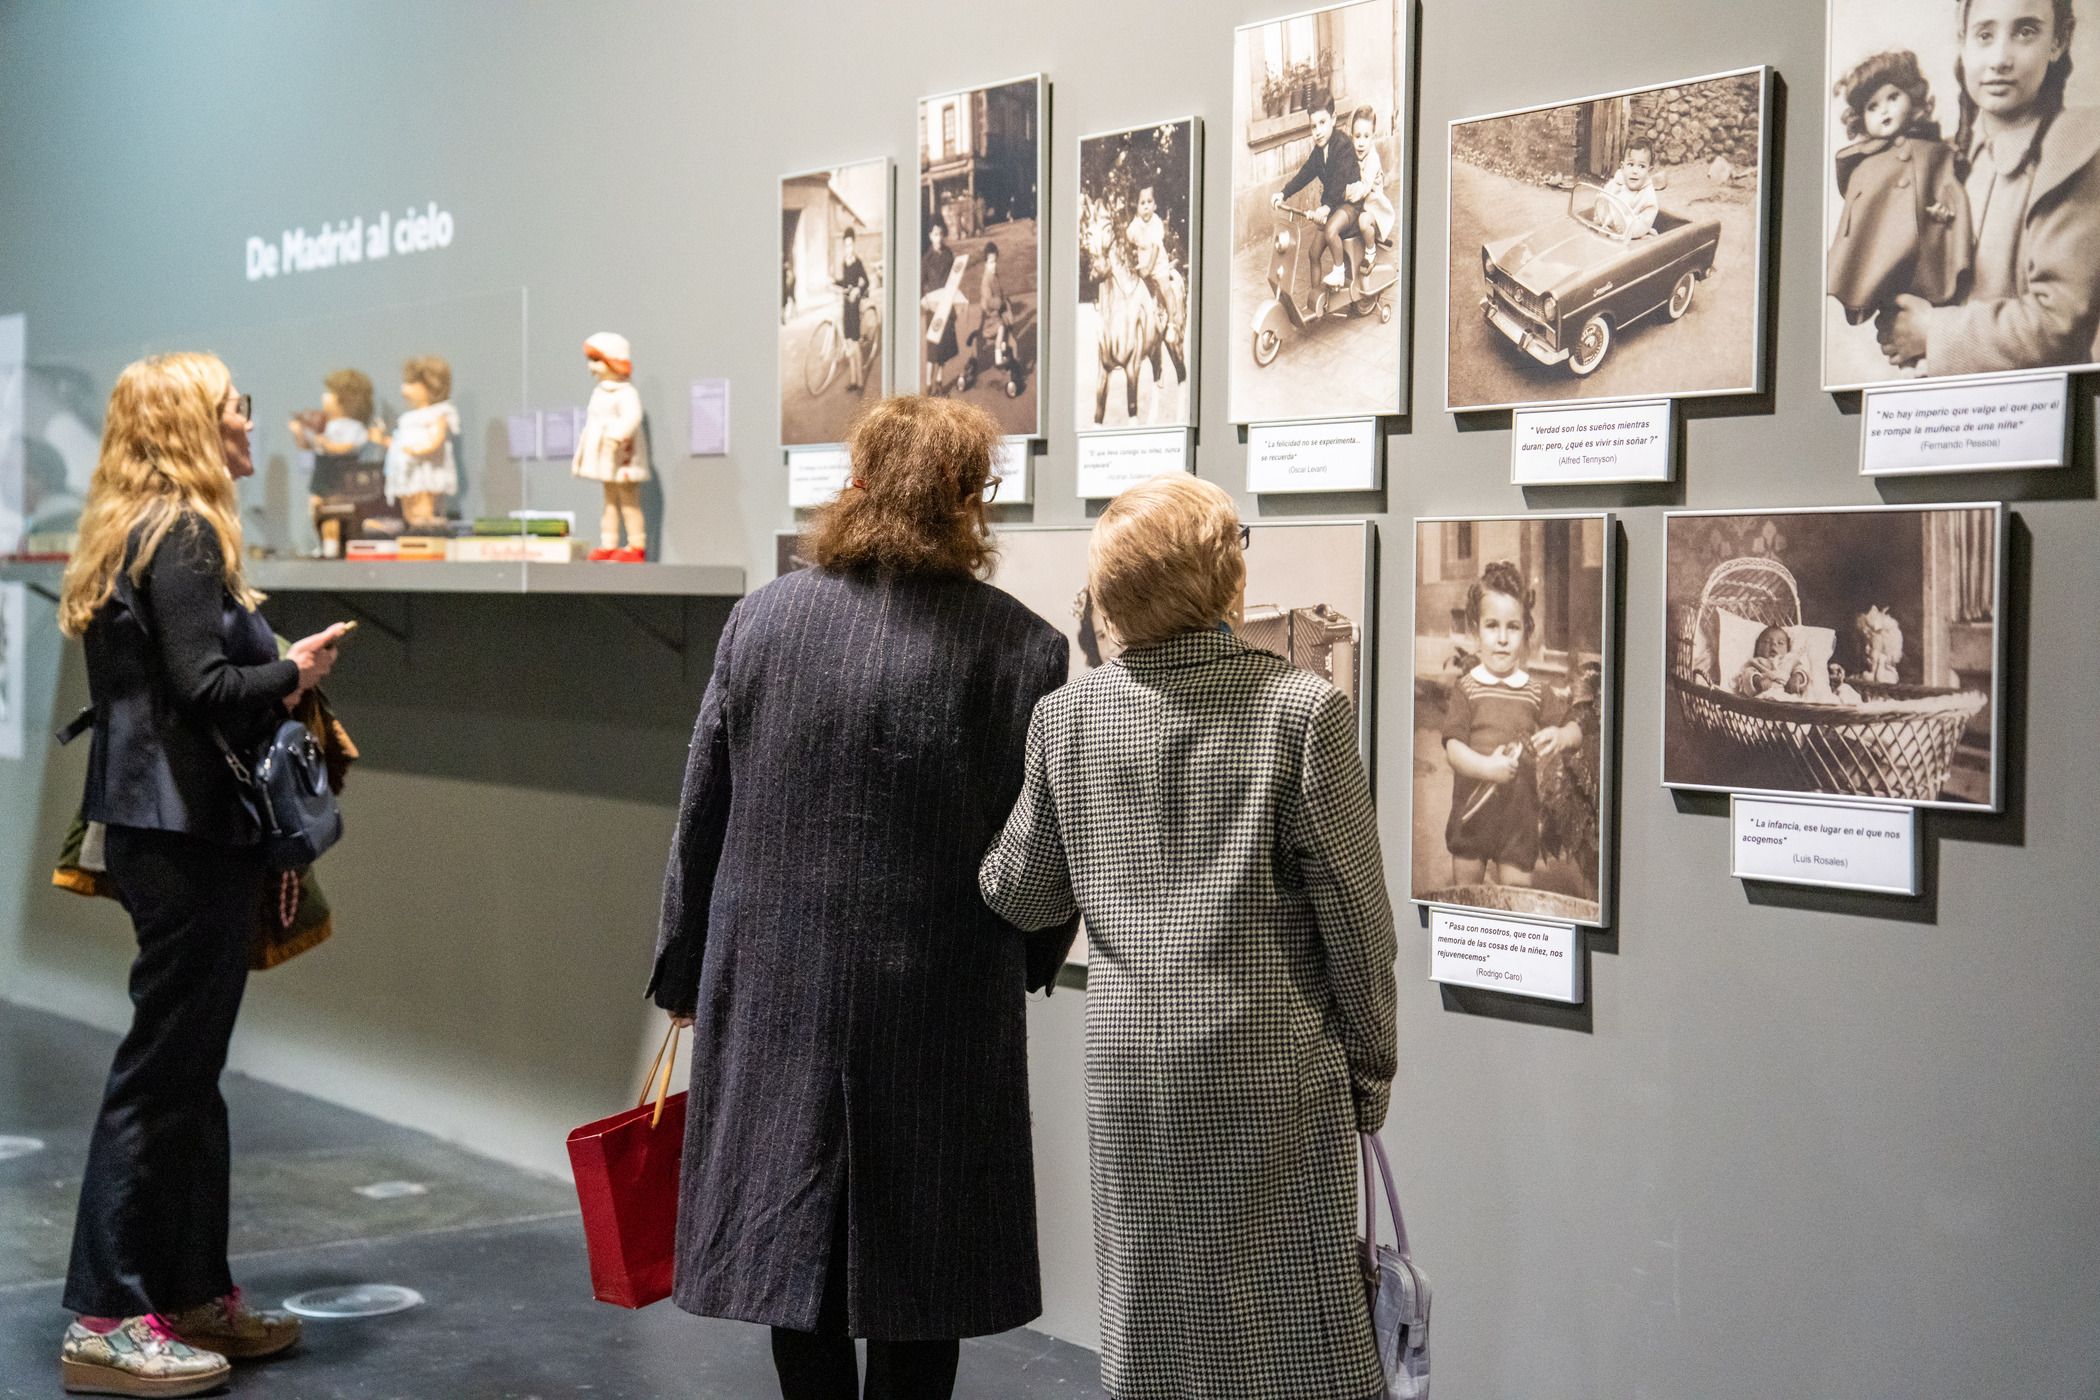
<point x="1374" y="1150"/>
<point x="666" y="1058"/>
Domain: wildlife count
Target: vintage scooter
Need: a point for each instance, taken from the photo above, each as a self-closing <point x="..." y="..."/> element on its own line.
<point x="1301" y="298"/>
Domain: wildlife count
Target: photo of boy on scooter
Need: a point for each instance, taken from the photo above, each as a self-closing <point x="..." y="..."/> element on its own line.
<point x="1332" y="161"/>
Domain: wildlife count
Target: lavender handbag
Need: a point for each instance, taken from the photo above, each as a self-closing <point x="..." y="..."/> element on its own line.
<point x="1399" y="1291"/>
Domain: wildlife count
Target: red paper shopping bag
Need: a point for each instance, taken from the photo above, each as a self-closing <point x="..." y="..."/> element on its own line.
<point x="627" y="1182"/>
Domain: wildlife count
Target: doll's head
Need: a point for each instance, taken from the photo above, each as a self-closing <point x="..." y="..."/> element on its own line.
<point x="1498" y="613"/>
<point x="1887" y="95"/>
<point x="425" y="380"/>
<point x="1636" y="165"/>
<point x="1363" y="127"/>
<point x="609" y="355"/>
<point x="347" y="394"/>
<point x="1772" y="643"/>
<point x="2015" y="63"/>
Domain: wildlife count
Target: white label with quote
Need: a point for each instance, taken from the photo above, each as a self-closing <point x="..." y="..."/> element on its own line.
<point x="1865" y="846"/>
<point x="1342" y="455"/>
<point x="816" y="475"/>
<point x="1112" y="463"/>
<point x="1994" y="425"/>
<point x="1504" y="953"/>
<point x="1594" y="445"/>
<point x="1010" y="464"/>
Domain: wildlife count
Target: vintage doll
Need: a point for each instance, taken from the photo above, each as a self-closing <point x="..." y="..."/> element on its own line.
<point x="1840" y="689"/>
<point x="1905" y="227"/>
<point x="419" y="463"/>
<point x="1499" y="722"/>
<point x="1776" y="670"/>
<point x="2031" y="169"/>
<point x="1375" y="219"/>
<point x="853" y="282"/>
<point x="608" y="450"/>
<point x="338" y="439"/>
<point x="1881" y="643"/>
<point x="1633" y="185"/>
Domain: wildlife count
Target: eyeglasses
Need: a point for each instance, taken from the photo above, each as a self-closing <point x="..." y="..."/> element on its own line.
<point x="991" y="489"/>
<point x="245" y="406"/>
<point x="1246" y="536"/>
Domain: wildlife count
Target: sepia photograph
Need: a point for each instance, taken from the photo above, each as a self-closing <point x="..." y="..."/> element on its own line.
<point x="1512" y="715"/>
<point x="14" y="666"/>
<point x="834" y="299"/>
<point x="981" y="270"/>
<point x="1309" y="595"/>
<point x="1134" y="341"/>
<point x="1320" y="161"/>
<point x="1837" y="652"/>
<point x="1961" y="190"/>
<point x="1611" y="247"/>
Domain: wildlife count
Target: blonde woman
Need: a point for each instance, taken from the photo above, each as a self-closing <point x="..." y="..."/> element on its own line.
<point x="1203" y="804"/>
<point x="177" y="658"/>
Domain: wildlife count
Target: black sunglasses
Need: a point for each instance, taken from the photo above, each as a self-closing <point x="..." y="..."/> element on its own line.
<point x="245" y="406"/>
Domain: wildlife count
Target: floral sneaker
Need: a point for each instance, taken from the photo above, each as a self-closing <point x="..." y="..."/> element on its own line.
<point x="235" y="1330"/>
<point x="142" y="1356"/>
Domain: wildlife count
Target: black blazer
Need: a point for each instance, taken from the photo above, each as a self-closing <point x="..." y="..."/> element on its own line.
<point x="861" y="1034"/>
<point x="166" y="661"/>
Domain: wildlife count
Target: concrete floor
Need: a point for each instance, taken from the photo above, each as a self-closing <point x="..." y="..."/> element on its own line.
<point x="497" y="1252"/>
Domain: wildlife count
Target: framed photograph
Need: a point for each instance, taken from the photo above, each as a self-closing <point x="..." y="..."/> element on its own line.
<point x="1611" y="247"/>
<point x="1848" y="652"/>
<point x="834" y="297"/>
<point x="1311" y="588"/>
<point x="14" y="666"/>
<point x="981" y="251"/>
<point x="1513" y="724"/>
<point x="1140" y="231"/>
<point x="1961" y="190"/>
<point x="1320" y="181"/>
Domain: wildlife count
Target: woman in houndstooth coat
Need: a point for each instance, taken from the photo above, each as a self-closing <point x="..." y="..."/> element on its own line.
<point x="1204" y="806"/>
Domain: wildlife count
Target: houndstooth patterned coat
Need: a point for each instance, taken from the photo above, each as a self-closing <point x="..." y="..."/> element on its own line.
<point x="1204" y="805"/>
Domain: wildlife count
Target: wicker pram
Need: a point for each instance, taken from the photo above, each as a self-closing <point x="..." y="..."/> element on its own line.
<point x="1897" y="744"/>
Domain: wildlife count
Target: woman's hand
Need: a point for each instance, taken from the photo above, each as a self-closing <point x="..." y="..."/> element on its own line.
<point x="1902" y="331"/>
<point x="315" y="656"/>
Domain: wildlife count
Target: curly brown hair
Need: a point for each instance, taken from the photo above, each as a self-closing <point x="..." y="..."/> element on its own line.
<point x="916" y="500"/>
<point x="353" y="393"/>
<point x="433" y="373"/>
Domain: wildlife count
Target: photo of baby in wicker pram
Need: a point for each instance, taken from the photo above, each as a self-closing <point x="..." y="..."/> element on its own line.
<point x="1816" y="652"/>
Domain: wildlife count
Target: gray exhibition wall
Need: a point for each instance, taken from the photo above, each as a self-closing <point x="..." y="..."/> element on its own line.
<point x="1834" y="1145"/>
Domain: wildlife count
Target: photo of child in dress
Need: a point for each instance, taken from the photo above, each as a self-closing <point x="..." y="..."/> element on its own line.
<point x="981" y="173"/>
<point x="1511" y="737"/>
<point x="834" y="233"/>
<point x="1848" y="653"/>
<point x="1970" y="252"/>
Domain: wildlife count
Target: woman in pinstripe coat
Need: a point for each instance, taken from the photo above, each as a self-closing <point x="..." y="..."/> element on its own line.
<point x="857" y="1159"/>
<point x="1204" y="805"/>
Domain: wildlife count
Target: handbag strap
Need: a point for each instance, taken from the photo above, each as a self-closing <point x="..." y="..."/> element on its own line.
<point x="1373" y="1151"/>
<point x="666" y="1058"/>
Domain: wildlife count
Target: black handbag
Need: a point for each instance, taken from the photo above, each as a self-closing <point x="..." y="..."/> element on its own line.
<point x="286" y="788"/>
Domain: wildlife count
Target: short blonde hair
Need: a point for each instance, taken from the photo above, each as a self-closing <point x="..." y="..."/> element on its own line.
<point x="1166" y="559"/>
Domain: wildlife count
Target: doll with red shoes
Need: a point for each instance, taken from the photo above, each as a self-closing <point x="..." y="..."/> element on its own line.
<point x="608" y="450"/>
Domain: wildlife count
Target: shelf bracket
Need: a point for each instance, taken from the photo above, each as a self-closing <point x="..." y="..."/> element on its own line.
<point x="677" y="644"/>
<point x="397" y="630"/>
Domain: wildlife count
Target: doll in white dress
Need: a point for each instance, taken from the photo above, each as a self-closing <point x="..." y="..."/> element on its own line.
<point x="608" y="451"/>
<point x="419" y="463"/>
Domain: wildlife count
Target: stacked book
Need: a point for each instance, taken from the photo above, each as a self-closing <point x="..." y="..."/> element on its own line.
<point x="522" y="537"/>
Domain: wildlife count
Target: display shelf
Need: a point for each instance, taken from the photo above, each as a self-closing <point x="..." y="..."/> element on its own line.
<point x="339" y="576"/>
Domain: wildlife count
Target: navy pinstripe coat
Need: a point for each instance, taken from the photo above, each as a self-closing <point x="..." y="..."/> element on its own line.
<point x="859" y="1010"/>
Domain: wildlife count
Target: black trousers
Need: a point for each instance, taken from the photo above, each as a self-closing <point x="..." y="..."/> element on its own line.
<point x="151" y="1232"/>
<point x="820" y="1365"/>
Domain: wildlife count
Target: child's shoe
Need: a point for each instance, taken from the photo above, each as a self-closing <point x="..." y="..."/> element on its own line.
<point x="601" y="556"/>
<point x="1370" y="261"/>
<point x="1336" y="276"/>
<point x="234" y="1330"/>
<point x="633" y="554"/>
<point x="141" y="1356"/>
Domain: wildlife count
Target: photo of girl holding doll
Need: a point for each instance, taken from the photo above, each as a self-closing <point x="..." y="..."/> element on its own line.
<point x="1970" y="252"/>
<point x="1509" y="726"/>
